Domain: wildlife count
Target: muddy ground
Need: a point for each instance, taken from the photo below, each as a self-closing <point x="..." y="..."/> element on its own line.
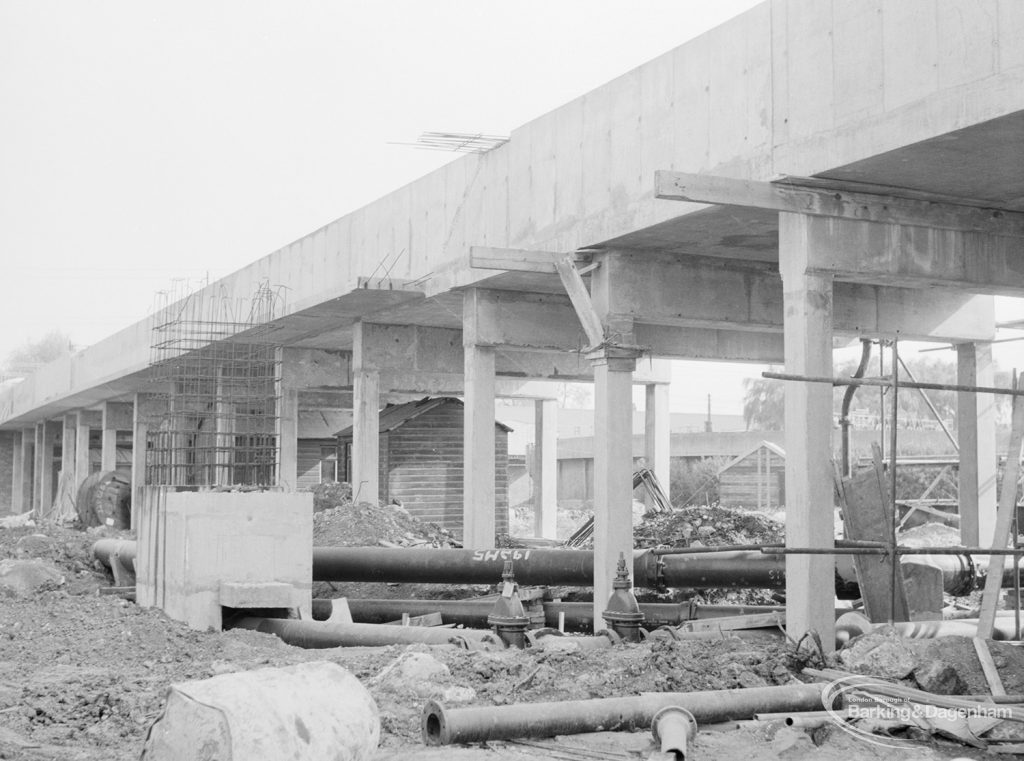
<point x="83" y="674"/>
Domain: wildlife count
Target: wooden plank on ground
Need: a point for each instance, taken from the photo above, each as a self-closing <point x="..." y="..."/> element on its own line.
<point x="734" y="623"/>
<point x="988" y="667"/>
<point x="1004" y="521"/>
<point x="867" y="516"/>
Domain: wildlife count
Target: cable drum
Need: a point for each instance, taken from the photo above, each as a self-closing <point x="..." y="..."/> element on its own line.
<point x="104" y="499"/>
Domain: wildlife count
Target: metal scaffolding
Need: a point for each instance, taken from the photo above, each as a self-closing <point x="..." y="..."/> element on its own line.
<point x="217" y="391"/>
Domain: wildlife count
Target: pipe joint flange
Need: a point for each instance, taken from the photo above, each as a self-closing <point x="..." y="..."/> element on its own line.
<point x="510" y="629"/>
<point x="625" y="625"/>
<point x="673" y="727"/>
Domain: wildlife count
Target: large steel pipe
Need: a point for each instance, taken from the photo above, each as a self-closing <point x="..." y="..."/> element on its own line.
<point x="105" y="549"/>
<point x="318" y="634"/>
<point x="533" y="567"/>
<point x="443" y="726"/>
<point x="711" y="570"/>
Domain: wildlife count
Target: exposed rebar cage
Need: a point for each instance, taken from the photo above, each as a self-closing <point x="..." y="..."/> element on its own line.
<point x="216" y="411"/>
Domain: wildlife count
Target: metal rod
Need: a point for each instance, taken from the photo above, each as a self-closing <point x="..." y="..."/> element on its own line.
<point x="844" y="415"/>
<point x="759" y="547"/>
<point x="931" y="407"/>
<point x="899" y="551"/>
<point x="882" y="382"/>
<point x="881" y="398"/>
<point x="1016" y="577"/>
<point x="894" y="515"/>
<point x="444" y="726"/>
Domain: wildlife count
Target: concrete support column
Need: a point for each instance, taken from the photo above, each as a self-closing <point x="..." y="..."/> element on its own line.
<point x="140" y="443"/>
<point x="9" y="452"/>
<point x="658" y="435"/>
<point x="116" y="416"/>
<point x="28" y="461"/>
<point x="976" y="435"/>
<point x="288" y="432"/>
<point x="478" y="488"/>
<point x="82" y="430"/>
<point x="810" y="510"/>
<point x="46" y="436"/>
<point x="366" y="436"/>
<point x="545" y="468"/>
<point x="613" y="473"/>
<point x="18" y="474"/>
<point x="68" y="444"/>
<point x="223" y="434"/>
<point x="288" y="424"/>
<point x="108" y="442"/>
<point x="37" y="468"/>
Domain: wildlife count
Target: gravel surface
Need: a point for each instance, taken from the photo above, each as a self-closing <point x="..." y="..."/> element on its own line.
<point x="84" y="674"/>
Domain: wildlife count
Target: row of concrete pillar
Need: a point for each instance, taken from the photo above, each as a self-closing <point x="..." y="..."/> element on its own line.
<point x="34" y="475"/>
<point x="32" y="453"/>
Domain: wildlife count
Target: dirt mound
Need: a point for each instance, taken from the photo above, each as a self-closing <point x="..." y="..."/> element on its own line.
<point x="707" y="526"/>
<point x="68" y="549"/>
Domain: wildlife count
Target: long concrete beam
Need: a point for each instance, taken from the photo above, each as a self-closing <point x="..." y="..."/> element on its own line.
<point x="868" y="252"/>
<point x="658" y="289"/>
<point x="801" y="197"/>
<point x="413" y="358"/>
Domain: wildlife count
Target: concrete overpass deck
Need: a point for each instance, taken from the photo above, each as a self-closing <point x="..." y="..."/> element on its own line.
<point x="452" y="284"/>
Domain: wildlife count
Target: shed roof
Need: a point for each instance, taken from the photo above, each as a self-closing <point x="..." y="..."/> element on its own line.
<point x="760" y="445"/>
<point x="396" y="415"/>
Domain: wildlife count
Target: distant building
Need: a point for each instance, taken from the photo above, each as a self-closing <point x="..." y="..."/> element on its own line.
<point x="756" y="478"/>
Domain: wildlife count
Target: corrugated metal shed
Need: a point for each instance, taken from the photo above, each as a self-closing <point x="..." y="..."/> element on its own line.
<point x="421" y="456"/>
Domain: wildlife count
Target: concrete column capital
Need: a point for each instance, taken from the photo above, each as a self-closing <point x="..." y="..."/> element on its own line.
<point x="616" y="358"/>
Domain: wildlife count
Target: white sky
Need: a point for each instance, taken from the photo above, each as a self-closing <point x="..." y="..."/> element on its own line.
<point x="143" y="142"/>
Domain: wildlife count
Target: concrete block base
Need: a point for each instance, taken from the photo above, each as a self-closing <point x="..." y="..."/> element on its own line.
<point x="199" y="551"/>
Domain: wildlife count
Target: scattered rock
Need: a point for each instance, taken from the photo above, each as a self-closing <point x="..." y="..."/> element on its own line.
<point x="792" y="743"/>
<point x="353" y="525"/>
<point x="711" y="524"/>
<point x="34" y="545"/>
<point x="940" y="678"/>
<point x="413" y="672"/>
<point x="750" y="679"/>
<point x="22" y="578"/>
<point x="880" y="653"/>
<point x="458" y="695"/>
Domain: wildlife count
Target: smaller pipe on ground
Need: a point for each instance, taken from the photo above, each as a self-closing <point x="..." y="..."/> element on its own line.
<point x="444" y="726"/>
<point x="318" y="634"/>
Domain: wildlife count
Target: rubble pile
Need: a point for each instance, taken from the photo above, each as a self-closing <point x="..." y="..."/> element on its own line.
<point x="338" y="522"/>
<point x="707" y="526"/>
